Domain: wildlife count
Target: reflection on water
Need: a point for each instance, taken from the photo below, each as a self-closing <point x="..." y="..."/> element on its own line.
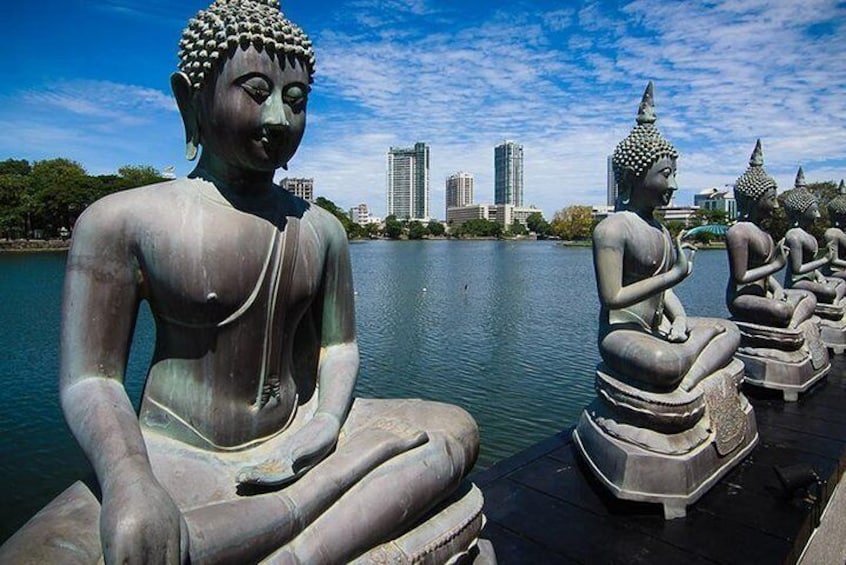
<point x="506" y="330"/>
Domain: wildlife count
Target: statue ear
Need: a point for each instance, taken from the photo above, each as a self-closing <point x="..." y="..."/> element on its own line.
<point x="184" y="94"/>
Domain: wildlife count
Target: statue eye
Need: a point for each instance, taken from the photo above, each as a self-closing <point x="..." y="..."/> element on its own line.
<point x="295" y="95"/>
<point x="257" y="87"/>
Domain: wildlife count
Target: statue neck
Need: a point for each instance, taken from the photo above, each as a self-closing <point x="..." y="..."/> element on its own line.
<point x="233" y="181"/>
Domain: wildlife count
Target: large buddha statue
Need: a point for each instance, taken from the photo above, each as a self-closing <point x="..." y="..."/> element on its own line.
<point x="806" y="261"/>
<point x="249" y="443"/>
<point x="669" y="419"/>
<point x="835" y="238"/>
<point x="780" y="342"/>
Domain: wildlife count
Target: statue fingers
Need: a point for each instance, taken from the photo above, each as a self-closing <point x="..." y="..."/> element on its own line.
<point x="272" y="472"/>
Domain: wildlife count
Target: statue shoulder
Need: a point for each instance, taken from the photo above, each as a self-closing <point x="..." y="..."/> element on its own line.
<point x="118" y="212"/>
<point x="613" y="230"/>
<point x="325" y="224"/>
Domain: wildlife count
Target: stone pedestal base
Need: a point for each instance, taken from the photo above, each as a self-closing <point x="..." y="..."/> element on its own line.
<point x="833" y="325"/>
<point x="634" y="472"/>
<point x="770" y="365"/>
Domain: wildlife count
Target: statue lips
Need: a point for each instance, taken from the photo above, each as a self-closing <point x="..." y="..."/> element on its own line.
<point x="667" y="196"/>
<point x="273" y="140"/>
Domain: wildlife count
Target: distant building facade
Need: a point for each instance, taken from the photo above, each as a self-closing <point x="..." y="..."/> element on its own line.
<point x="503" y="214"/>
<point x="508" y="173"/>
<point x="360" y="215"/>
<point x="717" y="199"/>
<point x="302" y="187"/>
<point x="459" y="190"/>
<point x="681" y="214"/>
<point x="408" y="182"/>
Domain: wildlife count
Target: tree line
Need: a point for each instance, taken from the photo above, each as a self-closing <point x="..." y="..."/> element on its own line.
<point x="44" y="198"/>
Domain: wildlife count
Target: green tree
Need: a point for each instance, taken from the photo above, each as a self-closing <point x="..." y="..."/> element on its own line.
<point x="352" y="229"/>
<point x="393" y="227"/>
<point x="674" y="227"/>
<point x="517" y="228"/>
<point x="15" y="167"/>
<point x="416" y="230"/>
<point x="435" y="228"/>
<point x="536" y="223"/>
<point x="139" y="175"/>
<point x="61" y="191"/>
<point x="704" y="216"/>
<point x="573" y="222"/>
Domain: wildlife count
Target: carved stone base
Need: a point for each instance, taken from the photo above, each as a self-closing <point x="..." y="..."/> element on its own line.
<point x="635" y="472"/>
<point x="833" y="332"/>
<point x="792" y="371"/>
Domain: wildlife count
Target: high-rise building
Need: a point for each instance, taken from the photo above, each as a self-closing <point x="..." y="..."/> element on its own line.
<point x="610" y="183"/>
<point x="459" y="190"/>
<point x="717" y="199"/>
<point x="302" y="187"/>
<point x="408" y="182"/>
<point x="508" y="173"/>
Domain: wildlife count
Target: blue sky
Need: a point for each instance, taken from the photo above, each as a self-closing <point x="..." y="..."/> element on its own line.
<point x="89" y="80"/>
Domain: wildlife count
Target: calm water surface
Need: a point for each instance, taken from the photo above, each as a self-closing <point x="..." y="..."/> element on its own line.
<point x="505" y="329"/>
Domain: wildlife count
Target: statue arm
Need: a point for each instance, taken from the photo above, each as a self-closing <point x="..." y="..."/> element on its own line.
<point x="738" y="250"/>
<point x="676" y="314"/>
<point x="100" y="307"/>
<point x="608" y="250"/>
<point x="795" y="257"/>
<point x="339" y="356"/>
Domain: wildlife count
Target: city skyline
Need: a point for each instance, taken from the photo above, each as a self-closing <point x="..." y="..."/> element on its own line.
<point x="564" y="80"/>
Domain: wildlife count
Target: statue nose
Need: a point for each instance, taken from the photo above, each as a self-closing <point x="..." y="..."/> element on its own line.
<point x="274" y="116"/>
<point x="671" y="182"/>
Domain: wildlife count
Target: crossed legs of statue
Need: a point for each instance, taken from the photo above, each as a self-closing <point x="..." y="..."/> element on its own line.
<point x="395" y="460"/>
<point x="797" y="307"/>
<point x="829" y="292"/>
<point x="652" y="359"/>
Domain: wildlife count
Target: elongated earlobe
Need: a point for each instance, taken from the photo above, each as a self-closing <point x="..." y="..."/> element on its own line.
<point x="184" y="94"/>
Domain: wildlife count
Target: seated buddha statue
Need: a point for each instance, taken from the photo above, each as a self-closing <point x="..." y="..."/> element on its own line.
<point x="835" y="238"/>
<point x="780" y="342"/>
<point x="664" y="376"/>
<point x="806" y="262"/>
<point x="249" y="444"/>
<point x="804" y="267"/>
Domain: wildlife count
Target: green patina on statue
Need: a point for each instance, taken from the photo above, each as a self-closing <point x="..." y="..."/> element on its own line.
<point x="780" y="340"/>
<point x="668" y="420"/>
<point x="249" y="443"/>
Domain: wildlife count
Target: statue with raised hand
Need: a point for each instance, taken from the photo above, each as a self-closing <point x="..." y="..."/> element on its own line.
<point x="835" y="238"/>
<point x="805" y="260"/>
<point x="780" y="341"/>
<point x="753" y="293"/>
<point x="667" y="387"/>
<point x="249" y="443"/>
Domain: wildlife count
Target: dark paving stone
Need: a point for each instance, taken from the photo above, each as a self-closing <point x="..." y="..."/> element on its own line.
<point x="545" y="506"/>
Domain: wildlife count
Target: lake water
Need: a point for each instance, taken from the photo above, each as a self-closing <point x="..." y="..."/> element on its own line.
<point x="505" y="329"/>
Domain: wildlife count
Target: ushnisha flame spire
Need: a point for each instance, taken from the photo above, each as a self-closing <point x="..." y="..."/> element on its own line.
<point x="755" y="181"/>
<point x="644" y="145"/>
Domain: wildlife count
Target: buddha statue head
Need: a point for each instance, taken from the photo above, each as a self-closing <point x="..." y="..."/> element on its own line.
<point x="243" y="84"/>
<point x="642" y="158"/>
<point x="755" y="190"/>
<point x="837" y="207"/>
<point x="801" y="205"/>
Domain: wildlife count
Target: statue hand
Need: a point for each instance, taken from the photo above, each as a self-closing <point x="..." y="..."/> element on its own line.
<point x="307" y="447"/>
<point x="678" y="331"/>
<point x="684" y="263"/>
<point x="784" y="251"/>
<point x="778" y="294"/>
<point x="140" y="523"/>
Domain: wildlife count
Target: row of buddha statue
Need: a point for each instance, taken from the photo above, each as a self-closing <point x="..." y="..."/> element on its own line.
<point x="670" y="418"/>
